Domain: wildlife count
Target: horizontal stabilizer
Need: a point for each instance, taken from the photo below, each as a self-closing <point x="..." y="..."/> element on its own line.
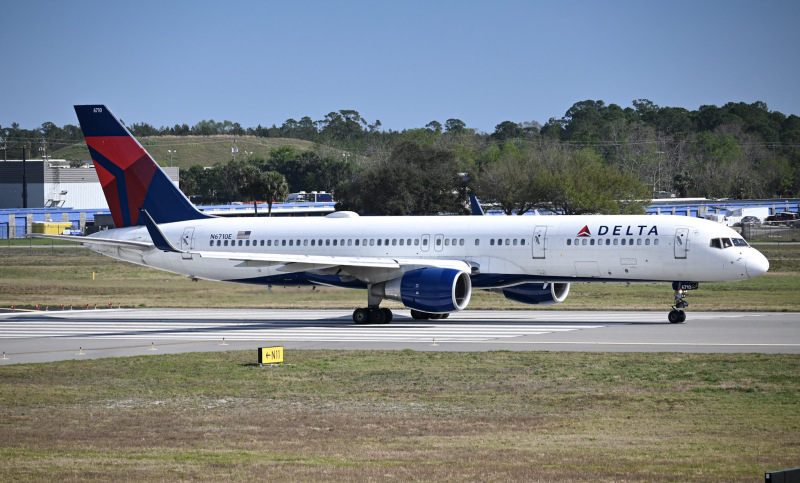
<point x="91" y="240"/>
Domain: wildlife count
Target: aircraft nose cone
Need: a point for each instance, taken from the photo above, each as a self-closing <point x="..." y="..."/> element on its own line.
<point x="757" y="264"/>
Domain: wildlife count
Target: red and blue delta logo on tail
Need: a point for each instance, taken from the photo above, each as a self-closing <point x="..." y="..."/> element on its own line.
<point x="130" y="177"/>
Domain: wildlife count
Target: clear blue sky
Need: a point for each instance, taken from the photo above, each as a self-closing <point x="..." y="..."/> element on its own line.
<point x="404" y="62"/>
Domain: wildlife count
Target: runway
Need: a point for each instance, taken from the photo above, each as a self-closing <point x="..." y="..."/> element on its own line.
<point x="27" y="337"/>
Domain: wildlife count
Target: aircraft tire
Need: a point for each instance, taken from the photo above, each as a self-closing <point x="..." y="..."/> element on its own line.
<point x="388" y="316"/>
<point x="377" y="316"/>
<point x="676" y="316"/>
<point x="361" y="316"/>
<point x="420" y="315"/>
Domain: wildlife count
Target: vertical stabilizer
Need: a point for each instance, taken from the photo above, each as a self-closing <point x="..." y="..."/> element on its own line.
<point x="131" y="179"/>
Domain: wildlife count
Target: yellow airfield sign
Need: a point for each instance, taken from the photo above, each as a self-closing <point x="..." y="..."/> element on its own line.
<point x="270" y="355"/>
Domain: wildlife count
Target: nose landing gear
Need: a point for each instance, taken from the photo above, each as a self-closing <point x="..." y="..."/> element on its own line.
<point x="677" y="315"/>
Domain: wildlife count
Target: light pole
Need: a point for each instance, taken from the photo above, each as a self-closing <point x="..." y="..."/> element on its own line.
<point x="171" y="152"/>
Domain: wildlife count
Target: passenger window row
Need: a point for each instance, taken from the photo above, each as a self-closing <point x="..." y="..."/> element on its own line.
<point x="314" y="242"/>
<point x="611" y="241"/>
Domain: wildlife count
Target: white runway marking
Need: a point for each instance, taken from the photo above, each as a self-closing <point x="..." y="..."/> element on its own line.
<point x="294" y="326"/>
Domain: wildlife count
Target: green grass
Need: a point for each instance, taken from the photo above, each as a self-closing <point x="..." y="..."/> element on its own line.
<point x="373" y="415"/>
<point x="192" y="150"/>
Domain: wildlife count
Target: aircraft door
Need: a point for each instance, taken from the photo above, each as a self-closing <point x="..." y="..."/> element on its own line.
<point x="187" y="242"/>
<point x="539" y="239"/>
<point x="681" y="242"/>
<point x="438" y="243"/>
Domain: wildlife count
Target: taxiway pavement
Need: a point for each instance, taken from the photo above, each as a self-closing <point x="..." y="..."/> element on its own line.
<point x="27" y="337"/>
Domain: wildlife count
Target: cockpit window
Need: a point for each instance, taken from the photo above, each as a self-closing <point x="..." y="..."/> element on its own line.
<point x="728" y="242"/>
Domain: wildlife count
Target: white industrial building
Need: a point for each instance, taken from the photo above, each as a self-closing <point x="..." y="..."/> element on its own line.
<point x="54" y="184"/>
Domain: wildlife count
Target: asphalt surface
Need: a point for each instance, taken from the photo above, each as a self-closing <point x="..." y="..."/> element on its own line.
<point x="38" y="336"/>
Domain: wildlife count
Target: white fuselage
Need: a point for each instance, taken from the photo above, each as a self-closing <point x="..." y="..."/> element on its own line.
<point x="501" y="250"/>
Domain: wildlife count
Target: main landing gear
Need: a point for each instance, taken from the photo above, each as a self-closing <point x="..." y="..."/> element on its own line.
<point x="377" y="315"/>
<point x="372" y="315"/>
<point x="420" y="315"/>
<point x="677" y="315"/>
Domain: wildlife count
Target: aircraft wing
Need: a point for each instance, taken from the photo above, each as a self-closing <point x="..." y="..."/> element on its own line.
<point x="95" y="240"/>
<point x="302" y="263"/>
<point x="267" y="259"/>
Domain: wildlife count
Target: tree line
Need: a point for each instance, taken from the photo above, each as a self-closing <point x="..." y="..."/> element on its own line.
<point x="585" y="161"/>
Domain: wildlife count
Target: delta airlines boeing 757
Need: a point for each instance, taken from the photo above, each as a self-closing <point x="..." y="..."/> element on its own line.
<point x="430" y="264"/>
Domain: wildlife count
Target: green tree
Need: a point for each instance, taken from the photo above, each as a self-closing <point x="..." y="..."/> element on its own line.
<point x="507" y="130"/>
<point x="250" y="182"/>
<point x="454" y="125"/>
<point x="416" y="179"/>
<point x="509" y="179"/>
<point x="585" y="185"/>
<point x="274" y="187"/>
<point x="434" y="126"/>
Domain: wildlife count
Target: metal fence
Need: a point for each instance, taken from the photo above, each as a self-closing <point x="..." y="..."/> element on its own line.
<point x="775" y="233"/>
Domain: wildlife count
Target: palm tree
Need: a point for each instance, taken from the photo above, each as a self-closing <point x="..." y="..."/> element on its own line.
<point x="274" y="187"/>
<point x="250" y="183"/>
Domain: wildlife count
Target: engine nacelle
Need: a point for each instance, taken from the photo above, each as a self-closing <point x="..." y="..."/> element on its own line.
<point x="433" y="290"/>
<point x="537" y="293"/>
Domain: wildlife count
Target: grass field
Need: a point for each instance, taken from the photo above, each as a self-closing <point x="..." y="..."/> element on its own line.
<point x="374" y="415"/>
<point x="191" y="150"/>
<point x="371" y="415"/>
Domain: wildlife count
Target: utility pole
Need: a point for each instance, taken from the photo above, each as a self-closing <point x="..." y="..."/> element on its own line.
<point x="24" y="182"/>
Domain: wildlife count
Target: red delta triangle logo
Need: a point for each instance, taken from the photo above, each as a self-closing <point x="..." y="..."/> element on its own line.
<point x="584" y="231"/>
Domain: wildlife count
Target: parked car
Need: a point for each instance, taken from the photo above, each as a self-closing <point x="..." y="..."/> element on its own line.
<point x="783" y="217"/>
<point x="750" y="220"/>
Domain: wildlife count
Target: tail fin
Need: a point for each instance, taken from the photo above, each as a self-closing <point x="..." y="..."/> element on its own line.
<point x="130" y="177"/>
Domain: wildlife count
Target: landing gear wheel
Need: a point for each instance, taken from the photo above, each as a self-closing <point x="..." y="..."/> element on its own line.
<point x="420" y="315"/>
<point x="376" y="316"/>
<point x="387" y="316"/>
<point x="361" y="316"/>
<point x="676" y="316"/>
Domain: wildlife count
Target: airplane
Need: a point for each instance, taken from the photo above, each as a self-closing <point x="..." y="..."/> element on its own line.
<point x="430" y="264"/>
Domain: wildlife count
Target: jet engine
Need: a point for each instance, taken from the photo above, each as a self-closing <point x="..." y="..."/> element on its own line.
<point x="537" y="293"/>
<point x="432" y="290"/>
